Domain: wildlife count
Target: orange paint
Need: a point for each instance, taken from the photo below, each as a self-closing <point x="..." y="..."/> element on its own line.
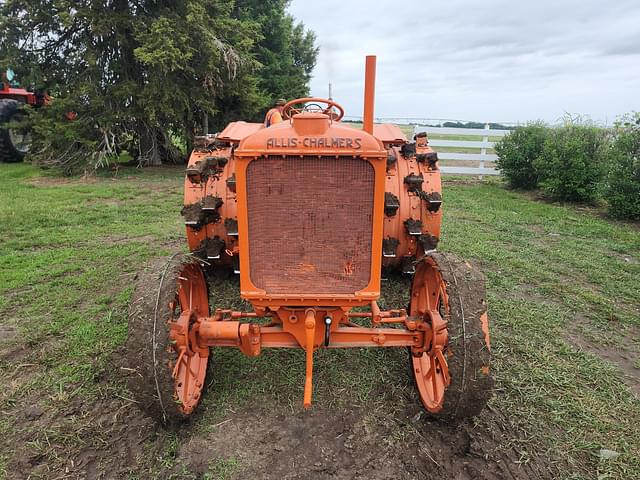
<point x="302" y="220"/>
<point x="369" y="93"/>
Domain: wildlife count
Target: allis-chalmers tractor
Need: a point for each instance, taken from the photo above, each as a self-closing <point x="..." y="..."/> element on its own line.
<point x="15" y="140"/>
<point x="308" y="212"/>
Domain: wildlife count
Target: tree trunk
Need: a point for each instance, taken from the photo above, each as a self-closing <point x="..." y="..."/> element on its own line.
<point x="156" y="148"/>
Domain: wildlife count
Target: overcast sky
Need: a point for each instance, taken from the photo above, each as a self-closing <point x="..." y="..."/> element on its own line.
<point x="495" y="60"/>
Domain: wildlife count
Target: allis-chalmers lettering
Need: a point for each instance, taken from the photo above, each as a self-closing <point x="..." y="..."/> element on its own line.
<point x="318" y="142"/>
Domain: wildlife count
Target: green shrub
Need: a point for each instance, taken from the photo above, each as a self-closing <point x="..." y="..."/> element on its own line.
<point x="623" y="179"/>
<point x="517" y="152"/>
<point x="573" y="162"/>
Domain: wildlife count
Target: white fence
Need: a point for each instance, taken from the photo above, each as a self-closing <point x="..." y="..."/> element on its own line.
<point x="480" y="157"/>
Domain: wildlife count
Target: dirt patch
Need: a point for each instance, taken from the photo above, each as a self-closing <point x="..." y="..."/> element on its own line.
<point x="626" y="355"/>
<point x="13" y="354"/>
<point x="105" y="202"/>
<point x="357" y="444"/>
<point x="537" y="229"/>
<point x="7" y="333"/>
<point x="112" y="439"/>
<point x="105" y="439"/>
<point x="10" y="350"/>
<point x="116" y="239"/>
<point x="106" y="436"/>
<point x="150" y="182"/>
<point x="47" y="181"/>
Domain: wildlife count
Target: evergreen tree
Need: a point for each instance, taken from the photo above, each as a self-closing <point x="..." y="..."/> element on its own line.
<point x="139" y="74"/>
<point x="286" y="53"/>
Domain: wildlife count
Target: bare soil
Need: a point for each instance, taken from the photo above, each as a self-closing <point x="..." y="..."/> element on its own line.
<point x="113" y="439"/>
<point x="625" y="355"/>
<point x="56" y="181"/>
<point x="116" y="239"/>
<point x="357" y="444"/>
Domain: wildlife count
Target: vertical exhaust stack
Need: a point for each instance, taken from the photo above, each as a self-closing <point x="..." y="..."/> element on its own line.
<point x="369" y="93"/>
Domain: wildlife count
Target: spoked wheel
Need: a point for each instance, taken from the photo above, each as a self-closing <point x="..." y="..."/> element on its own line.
<point x="452" y="377"/>
<point x="169" y="367"/>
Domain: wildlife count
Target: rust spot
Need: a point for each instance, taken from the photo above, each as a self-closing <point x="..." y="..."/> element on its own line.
<point x="349" y="268"/>
<point x="306" y="267"/>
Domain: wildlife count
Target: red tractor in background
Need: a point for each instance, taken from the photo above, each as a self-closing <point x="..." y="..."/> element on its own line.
<point x="15" y="139"/>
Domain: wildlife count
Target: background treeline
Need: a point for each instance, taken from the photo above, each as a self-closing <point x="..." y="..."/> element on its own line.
<point x="144" y="76"/>
<point x="578" y="162"/>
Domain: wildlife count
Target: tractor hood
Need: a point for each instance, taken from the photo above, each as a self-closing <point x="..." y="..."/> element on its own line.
<point x="311" y="134"/>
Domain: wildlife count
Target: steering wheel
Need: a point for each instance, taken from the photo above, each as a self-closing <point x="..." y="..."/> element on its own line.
<point x="312" y="105"/>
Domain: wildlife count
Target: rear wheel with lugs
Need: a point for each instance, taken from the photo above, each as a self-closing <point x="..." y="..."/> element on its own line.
<point x="452" y="377"/>
<point x="15" y="141"/>
<point x="168" y="367"/>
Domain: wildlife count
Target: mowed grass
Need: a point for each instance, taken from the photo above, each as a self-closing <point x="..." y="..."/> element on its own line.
<point x="69" y="250"/>
<point x="554" y="273"/>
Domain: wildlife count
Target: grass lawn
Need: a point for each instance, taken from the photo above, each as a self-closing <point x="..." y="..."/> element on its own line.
<point x="564" y="302"/>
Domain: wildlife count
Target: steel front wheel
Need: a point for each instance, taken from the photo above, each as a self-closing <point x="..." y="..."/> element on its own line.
<point x="452" y="377"/>
<point x="169" y="368"/>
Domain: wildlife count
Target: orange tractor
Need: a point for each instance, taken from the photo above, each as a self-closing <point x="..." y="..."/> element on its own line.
<point x="308" y="212"/>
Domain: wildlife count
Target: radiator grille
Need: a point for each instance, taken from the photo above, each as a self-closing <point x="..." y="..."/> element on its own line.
<point x="310" y="224"/>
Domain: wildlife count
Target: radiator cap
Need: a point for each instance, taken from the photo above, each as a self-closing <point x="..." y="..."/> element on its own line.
<point x="311" y="123"/>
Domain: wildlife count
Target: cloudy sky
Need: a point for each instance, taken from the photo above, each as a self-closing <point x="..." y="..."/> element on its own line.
<point x="495" y="60"/>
